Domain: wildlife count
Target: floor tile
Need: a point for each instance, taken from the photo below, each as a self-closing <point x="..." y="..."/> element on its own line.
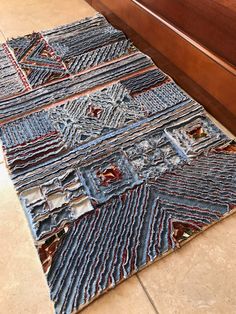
<point x="22" y="17"/>
<point x="13" y="22"/>
<point x="198" y="278"/>
<point x="23" y="285"/>
<point x="128" y="297"/>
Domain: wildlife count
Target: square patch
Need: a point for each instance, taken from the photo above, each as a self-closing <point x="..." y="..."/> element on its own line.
<point x="108" y="177"/>
<point x="153" y="155"/>
<point x="196" y="135"/>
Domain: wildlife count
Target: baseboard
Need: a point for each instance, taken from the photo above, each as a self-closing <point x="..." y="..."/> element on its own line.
<point x="205" y="76"/>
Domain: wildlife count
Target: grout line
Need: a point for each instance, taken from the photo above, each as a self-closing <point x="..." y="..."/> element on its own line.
<point x="1" y="32"/>
<point x="147" y="294"/>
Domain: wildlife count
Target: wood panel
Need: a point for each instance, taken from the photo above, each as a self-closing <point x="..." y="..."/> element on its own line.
<point x="208" y="79"/>
<point x="211" y="23"/>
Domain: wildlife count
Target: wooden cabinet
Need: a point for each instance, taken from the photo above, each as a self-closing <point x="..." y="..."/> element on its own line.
<point x="188" y="39"/>
<point x="211" y="23"/>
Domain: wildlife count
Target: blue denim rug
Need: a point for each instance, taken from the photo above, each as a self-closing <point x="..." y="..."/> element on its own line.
<point x="114" y="164"/>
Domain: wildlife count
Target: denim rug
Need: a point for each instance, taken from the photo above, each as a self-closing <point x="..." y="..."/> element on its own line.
<point x="114" y="164"/>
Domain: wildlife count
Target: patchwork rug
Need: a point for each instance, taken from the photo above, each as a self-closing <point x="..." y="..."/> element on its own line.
<point x="114" y="164"/>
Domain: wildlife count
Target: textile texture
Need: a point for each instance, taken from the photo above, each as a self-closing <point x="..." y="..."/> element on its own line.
<point x="114" y="164"/>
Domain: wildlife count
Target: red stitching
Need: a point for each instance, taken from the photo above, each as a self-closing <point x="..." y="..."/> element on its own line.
<point x="17" y="68"/>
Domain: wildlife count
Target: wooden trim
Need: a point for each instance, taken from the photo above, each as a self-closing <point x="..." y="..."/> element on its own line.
<point x="196" y="70"/>
<point x="204" y="50"/>
<point x="210" y="23"/>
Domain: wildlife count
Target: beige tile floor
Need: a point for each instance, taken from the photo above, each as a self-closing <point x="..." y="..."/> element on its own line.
<point x="199" y="278"/>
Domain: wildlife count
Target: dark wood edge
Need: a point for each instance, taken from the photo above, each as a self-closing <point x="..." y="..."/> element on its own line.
<point x="218" y="96"/>
<point x="209" y="23"/>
